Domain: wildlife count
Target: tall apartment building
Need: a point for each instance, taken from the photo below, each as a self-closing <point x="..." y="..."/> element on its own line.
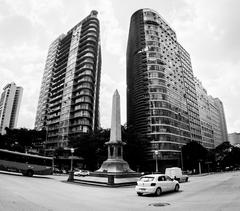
<point x="9" y="106"/>
<point x="205" y="115"/>
<point x="223" y="123"/>
<point x="212" y="118"/>
<point x="190" y="95"/>
<point x="164" y="101"/>
<point x="69" y="97"/>
<point x="216" y="122"/>
<point x="45" y="91"/>
<point x="158" y="69"/>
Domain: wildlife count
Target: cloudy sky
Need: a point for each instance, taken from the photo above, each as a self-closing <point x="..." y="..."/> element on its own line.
<point x="208" y="30"/>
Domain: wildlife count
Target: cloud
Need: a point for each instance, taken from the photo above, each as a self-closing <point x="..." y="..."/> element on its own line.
<point x="17" y="29"/>
<point x="208" y="30"/>
<point x="112" y="34"/>
<point x="226" y="87"/>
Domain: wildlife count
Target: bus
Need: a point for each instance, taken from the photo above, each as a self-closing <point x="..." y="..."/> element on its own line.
<point x="24" y="163"/>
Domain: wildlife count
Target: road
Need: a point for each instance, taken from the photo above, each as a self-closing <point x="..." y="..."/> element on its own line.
<point x="211" y="192"/>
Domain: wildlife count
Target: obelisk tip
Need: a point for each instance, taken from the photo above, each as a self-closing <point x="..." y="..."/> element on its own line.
<point x="116" y="92"/>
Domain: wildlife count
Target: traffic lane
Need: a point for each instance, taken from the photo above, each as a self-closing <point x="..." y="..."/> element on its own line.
<point x="212" y="192"/>
<point x="56" y="195"/>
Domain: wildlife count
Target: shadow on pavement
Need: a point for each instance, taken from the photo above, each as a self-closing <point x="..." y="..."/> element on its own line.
<point x="163" y="194"/>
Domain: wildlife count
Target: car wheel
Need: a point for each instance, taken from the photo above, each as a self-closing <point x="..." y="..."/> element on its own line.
<point x="158" y="192"/>
<point x="176" y="188"/>
<point x="140" y="194"/>
<point x="29" y="173"/>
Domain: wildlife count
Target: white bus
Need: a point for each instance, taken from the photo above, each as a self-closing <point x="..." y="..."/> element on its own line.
<point x="24" y="163"/>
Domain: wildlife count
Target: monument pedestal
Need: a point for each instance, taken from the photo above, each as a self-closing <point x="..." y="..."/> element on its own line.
<point x="115" y="171"/>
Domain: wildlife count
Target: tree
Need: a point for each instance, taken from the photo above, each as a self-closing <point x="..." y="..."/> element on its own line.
<point x="193" y="153"/>
<point x="227" y="156"/>
<point x="22" y="139"/>
<point x="135" y="149"/>
<point x="91" y="147"/>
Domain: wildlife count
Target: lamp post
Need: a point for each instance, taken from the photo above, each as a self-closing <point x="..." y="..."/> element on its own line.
<point x="72" y="151"/>
<point x="199" y="167"/>
<point x="156" y="152"/>
<point x="181" y="157"/>
<point x="71" y="174"/>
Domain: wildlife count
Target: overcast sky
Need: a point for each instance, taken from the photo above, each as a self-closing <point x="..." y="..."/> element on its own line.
<point x="208" y="30"/>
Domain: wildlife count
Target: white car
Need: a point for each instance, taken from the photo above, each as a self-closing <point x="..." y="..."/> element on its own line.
<point x="81" y="173"/>
<point x="156" y="184"/>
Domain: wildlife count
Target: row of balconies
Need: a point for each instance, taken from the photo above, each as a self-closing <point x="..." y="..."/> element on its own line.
<point x="90" y="27"/>
<point x="87" y="74"/>
<point x="58" y="76"/>
<point x="80" y="63"/>
<point x="87" y="86"/>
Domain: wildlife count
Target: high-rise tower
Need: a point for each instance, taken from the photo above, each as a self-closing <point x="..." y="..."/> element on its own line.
<point x="222" y="125"/>
<point x="160" y="88"/>
<point x="9" y="106"/>
<point x="206" y="115"/>
<point x="69" y="97"/>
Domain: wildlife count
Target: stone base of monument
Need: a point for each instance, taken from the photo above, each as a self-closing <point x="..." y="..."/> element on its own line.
<point x="109" y="179"/>
<point x="116" y="165"/>
<point x="113" y="173"/>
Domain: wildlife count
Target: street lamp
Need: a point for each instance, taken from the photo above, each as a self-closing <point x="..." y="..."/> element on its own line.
<point x="71" y="174"/>
<point x="181" y="157"/>
<point x="156" y="152"/>
<point x="72" y="151"/>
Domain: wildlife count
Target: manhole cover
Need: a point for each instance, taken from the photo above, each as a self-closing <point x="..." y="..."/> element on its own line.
<point x="158" y="204"/>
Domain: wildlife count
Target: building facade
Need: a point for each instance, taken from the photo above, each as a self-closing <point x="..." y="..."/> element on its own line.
<point x="156" y="95"/>
<point x="212" y="118"/>
<point x="190" y="95"/>
<point x="223" y="123"/>
<point x="205" y="115"/>
<point x="9" y="106"/>
<point x="216" y="122"/>
<point x="69" y="97"/>
<point x="164" y="101"/>
<point x="45" y="91"/>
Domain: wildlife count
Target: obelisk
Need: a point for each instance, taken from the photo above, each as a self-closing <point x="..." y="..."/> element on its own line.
<point x="115" y="135"/>
<point x="115" y="163"/>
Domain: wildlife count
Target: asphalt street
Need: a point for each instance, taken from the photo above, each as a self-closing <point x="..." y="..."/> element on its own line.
<point x="211" y="192"/>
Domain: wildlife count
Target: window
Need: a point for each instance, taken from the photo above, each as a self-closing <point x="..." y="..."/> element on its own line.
<point x="168" y="178"/>
<point x="146" y="179"/>
<point x="161" y="178"/>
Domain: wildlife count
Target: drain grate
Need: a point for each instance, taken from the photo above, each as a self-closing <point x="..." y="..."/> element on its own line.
<point x="158" y="204"/>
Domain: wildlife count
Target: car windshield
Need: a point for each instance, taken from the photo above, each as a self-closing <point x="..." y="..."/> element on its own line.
<point x="146" y="179"/>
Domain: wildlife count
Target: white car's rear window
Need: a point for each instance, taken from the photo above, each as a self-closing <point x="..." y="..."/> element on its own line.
<point x="146" y="179"/>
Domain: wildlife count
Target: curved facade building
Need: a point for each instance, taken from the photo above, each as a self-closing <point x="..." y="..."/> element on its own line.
<point x="158" y="69"/>
<point x="69" y="97"/>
